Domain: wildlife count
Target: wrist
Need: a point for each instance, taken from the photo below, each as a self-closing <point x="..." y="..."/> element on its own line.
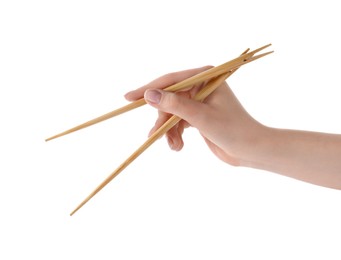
<point x="258" y="147"/>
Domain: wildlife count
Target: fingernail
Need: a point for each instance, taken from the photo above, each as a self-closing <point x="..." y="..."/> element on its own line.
<point x="170" y="142"/>
<point x="127" y="96"/>
<point x="153" y="96"/>
<point x="151" y="132"/>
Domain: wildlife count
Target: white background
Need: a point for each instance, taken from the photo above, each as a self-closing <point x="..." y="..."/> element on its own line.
<point x="64" y="62"/>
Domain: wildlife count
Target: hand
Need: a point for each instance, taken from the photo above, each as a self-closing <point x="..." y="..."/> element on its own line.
<point x="236" y="138"/>
<point x="227" y="128"/>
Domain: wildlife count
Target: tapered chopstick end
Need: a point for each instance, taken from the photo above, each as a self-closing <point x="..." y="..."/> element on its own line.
<point x="48" y="139"/>
<point x="51" y="138"/>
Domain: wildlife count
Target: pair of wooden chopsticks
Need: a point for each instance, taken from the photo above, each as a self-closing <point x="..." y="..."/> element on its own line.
<point x="215" y="76"/>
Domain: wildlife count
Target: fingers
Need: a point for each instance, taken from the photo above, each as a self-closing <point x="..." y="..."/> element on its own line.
<point x="172" y="103"/>
<point x="174" y="138"/>
<point x="162" y="118"/>
<point x="174" y="135"/>
<point x="164" y="81"/>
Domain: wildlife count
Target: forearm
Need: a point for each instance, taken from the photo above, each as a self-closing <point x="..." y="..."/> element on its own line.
<point x="308" y="156"/>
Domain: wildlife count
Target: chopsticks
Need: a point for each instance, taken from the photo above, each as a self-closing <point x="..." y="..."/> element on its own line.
<point x="211" y="73"/>
<point x="215" y="77"/>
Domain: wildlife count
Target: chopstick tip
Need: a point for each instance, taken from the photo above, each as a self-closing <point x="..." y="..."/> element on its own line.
<point x="56" y="136"/>
<point x="74" y="211"/>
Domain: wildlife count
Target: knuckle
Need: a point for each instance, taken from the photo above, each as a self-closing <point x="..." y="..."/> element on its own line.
<point x="171" y="100"/>
<point x="168" y="78"/>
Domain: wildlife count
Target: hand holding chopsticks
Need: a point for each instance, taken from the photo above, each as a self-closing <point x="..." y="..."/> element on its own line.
<point x="214" y="76"/>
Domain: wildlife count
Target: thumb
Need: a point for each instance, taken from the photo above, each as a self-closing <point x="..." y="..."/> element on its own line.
<point x="183" y="107"/>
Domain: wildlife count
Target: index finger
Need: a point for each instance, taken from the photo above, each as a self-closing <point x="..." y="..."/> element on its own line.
<point x="164" y="81"/>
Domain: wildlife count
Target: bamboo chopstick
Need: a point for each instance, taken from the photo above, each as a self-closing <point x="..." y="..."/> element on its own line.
<point x="213" y="83"/>
<point x="208" y="74"/>
<point x="161" y="131"/>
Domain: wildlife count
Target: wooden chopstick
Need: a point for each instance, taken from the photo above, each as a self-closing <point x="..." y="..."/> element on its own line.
<point x="161" y="131"/>
<point x="208" y="74"/>
<point x="200" y="96"/>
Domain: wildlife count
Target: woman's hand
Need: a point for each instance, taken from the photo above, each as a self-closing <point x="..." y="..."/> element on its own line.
<point x="236" y="138"/>
<point x="224" y="124"/>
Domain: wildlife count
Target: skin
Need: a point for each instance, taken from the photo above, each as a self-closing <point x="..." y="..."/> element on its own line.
<point x="237" y="138"/>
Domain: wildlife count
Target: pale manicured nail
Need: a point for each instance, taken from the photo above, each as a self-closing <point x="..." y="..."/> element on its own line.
<point x="153" y="96"/>
<point x="127" y="96"/>
<point x="170" y="142"/>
